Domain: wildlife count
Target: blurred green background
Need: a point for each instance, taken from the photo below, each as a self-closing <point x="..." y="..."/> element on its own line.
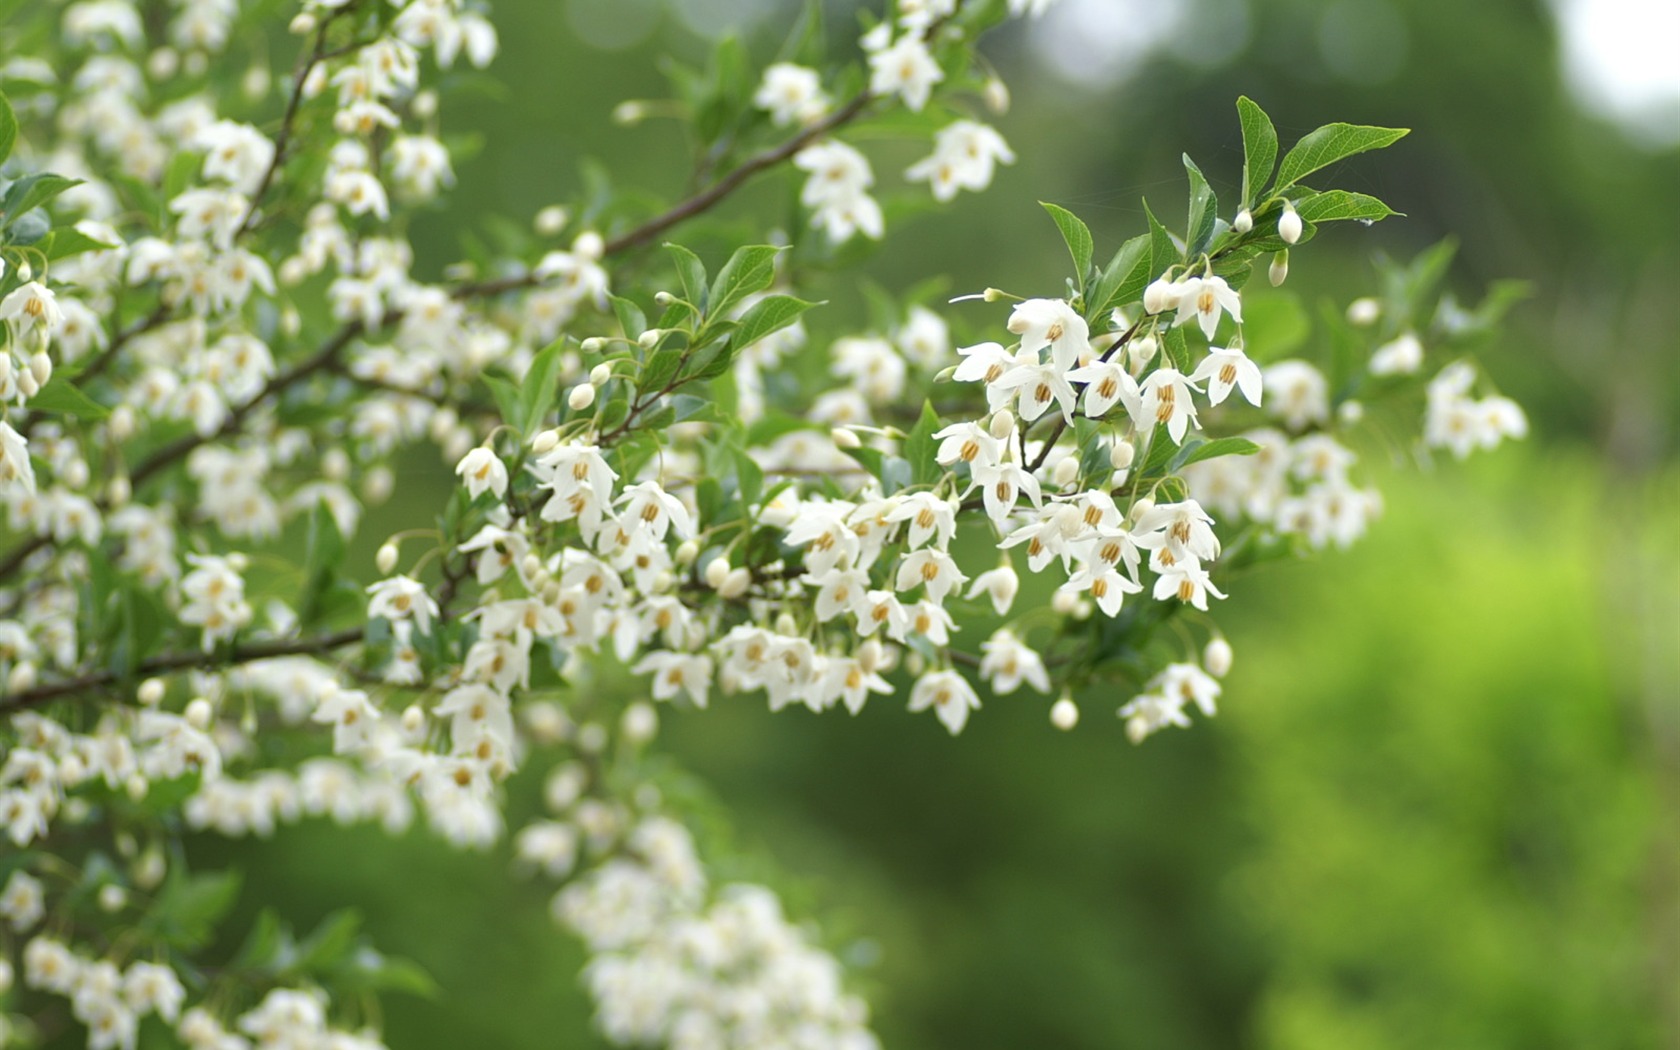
<point x="1438" y="806"/>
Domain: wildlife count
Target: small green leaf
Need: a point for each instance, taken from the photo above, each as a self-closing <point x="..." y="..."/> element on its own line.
<point x="182" y="172"/>
<point x="630" y="316"/>
<point x="1329" y="144"/>
<point x="61" y="397"/>
<point x="1078" y="238"/>
<point x="540" y="387"/>
<point x="331" y="941"/>
<point x="691" y="274"/>
<point x="1123" y="281"/>
<point x="1195" y="452"/>
<point x="1342" y="204"/>
<point x="506" y="396"/>
<point x="186" y="910"/>
<point x="1204" y="209"/>
<point x="29" y="193"/>
<point x="1163" y="253"/>
<point x="751" y="269"/>
<point x="659" y="369"/>
<point x="920" y="448"/>
<point x="8" y="128"/>
<point x="749" y="476"/>
<point x="1260" y="146"/>
<point x="66" y="241"/>
<point x="770" y="314"/>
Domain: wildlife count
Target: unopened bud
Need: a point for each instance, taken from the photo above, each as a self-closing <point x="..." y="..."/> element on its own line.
<point x="735" y="584"/>
<point x="163" y="63"/>
<point x="1064" y="602"/>
<point x="589" y="246"/>
<point x="40" y="366"/>
<point x="639" y="723"/>
<point x="1243" y="222"/>
<point x="1364" y="311"/>
<point x="594" y="345"/>
<point x="1161" y="295"/>
<point x="1143" y="506"/>
<point x="1064" y="714"/>
<point x="304" y="23"/>
<point x="413" y="719"/>
<point x="22" y="678"/>
<point x="1289" y="224"/>
<point x="1003" y="424"/>
<point x="1066" y="472"/>
<point x="1120" y="457"/>
<point x="136" y="787"/>
<point x="386" y="557"/>
<point x="686" y="552"/>
<point x="199" y="712"/>
<point x="717" y="570"/>
<point x="786" y="624"/>
<point x="25" y="272"/>
<point x="1139" y="352"/>
<point x="545" y="441"/>
<point x="629" y="113"/>
<point x="27" y="384"/>
<point x="649" y="339"/>
<point x="1279" y="270"/>
<point x="1350" y="411"/>
<point x="112" y="897"/>
<point x="997" y="95"/>
<point x="870" y="655"/>
<point x="531" y="566"/>
<point x="150" y="693"/>
<point x="581" y="397"/>
<point x="663" y="298"/>
<point x="992" y="295"/>
<point x="76" y="473"/>
<point x="599" y="375"/>
<point x="121" y="423"/>
<point x="844" y="438"/>
<point x="1217" y="657"/>
<point x="550" y="220"/>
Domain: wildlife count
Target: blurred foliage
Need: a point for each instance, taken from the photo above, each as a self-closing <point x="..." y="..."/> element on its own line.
<point x="1434" y="810"/>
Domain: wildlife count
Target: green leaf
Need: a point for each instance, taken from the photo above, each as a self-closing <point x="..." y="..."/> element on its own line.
<point x="1123" y="281"/>
<point x="630" y="316"/>
<point x="331" y="941"/>
<point x="1342" y="204"/>
<point x="30" y="192"/>
<point x="266" y="944"/>
<point x="659" y="369"/>
<point x="8" y="128"/>
<point x="1163" y="253"/>
<point x="751" y="269"/>
<point x="1329" y="144"/>
<point x="1260" y="146"/>
<point x="506" y="396"/>
<point x="770" y="314"/>
<point x="1177" y="348"/>
<point x="920" y="448"/>
<point x="182" y="172"/>
<point x="66" y="241"/>
<point x="1196" y="451"/>
<point x="691" y="274"/>
<point x="186" y="910"/>
<point x="540" y="387"/>
<point x="61" y="397"/>
<point x="1078" y="238"/>
<point x="749" y="476"/>
<point x="1204" y="209"/>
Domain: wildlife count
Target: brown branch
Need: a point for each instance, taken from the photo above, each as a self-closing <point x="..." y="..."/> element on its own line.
<point x="180" y="661"/>
<point x="282" y="139"/>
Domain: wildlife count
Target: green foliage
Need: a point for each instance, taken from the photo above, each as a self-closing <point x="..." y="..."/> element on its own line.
<point x="1078" y="238"/>
<point x="1329" y="144"/>
<point x="1260" y="146"/>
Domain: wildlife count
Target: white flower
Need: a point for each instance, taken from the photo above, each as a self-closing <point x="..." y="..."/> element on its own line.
<point x="932" y="567"/>
<point x="1036" y="387"/>
<point x="925" y="339"/>
<point x="1002" y="484"/>
<point x="482" y="469"/>
<point x="1101" y="580"/>
<point x="967" y="443"/>
<point x="1401" y="356"/>
<point x="1105" y="383"/>
<point x="1164" y="397"/>
<point x="22" y="902"/>
<point x="905" y="68"/>
<point x="1225" y="368"/>
<point x="647" y="506"/>
<point x="1052" y="323"/>
<point x="401" y="598"/>
<point x="14" y="459"/>
<point x="30" y="307"/>
<point x="792" y="94"/>
<point x="1300" y="393"/>
<point x="964" y="156"/>
<point x="1205" y="298"/>
<point x="1008" y="663"/>
<point x="950" y="696"/>
<point x="1184" y="528"/>
<point x="837" y="190"/>
<point x="153" y="987"/>
<point x="1000" y="585"/>
<point x="1187" y="581"/>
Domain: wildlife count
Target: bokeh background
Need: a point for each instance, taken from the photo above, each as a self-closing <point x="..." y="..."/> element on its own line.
<point x="1438" y="808"/>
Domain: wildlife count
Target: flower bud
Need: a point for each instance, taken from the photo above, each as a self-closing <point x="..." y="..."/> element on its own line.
<point x="581" y="397"/>
<point x="545" y="441"/>
<point x="1364" y="311"/>
<point x="592" y="738"/>
<point x="27" y="385"/>
<point x="686" y="552"/>
<point x="76" y="473"/>
<point x="40" y="366"/>
<point x="136" y="787"/>
<point x="377" y="486"/>
<point x="735" y="584"/>
<point x="1279" y="269"/>
<point x="1217" y="657"/>
<point x="163" y="63"/>
<point x="335" y="464"/>
<point x="915" y="663"/>
<point x="25" y="272"/>
<point x="594" y="345"/>
<point x="1066" y="472"/>
<point x="1350" y="411"/>
<point x="717" y="570"/>
<point x="112" y="897"/>
<point x="589" y="246"/>
<point x="1120" y="457"/>
<point x="150" y="868"/>
<point x="304" y="24"/>
<point x="1143" y="506"/>
<point x="425" y="105"/>
<point x="199" y="713"/>
<point x="663" y="298"/>
<point x="997" y="95"/>
<point x="844" y="438"/>
<point x="1064" y="602"/>
<point x="600" y="374"/>
<point x="22" y="678"/>
<point x="1161" y="295"/>
<point x="1003" y="424"/>
<point x="150" y="693"/>
<point x="413" y="719"/>
<point x="293" y="271"/>
<point x="1139" y="352"/>
<point x="786" y="624"/>
<point x="1289" y="224"/>
<point x="386" y="557"/>
<point x="639" y="723"/>
<point x="629" y="112"/>
<point x="649" y="339"/>
<point x="1243" y="222"/>
<point x="870" y="656"/>
<point x="550" y="220"/>
<point x="992" y="295"/>
<point x="1064" y="714"/>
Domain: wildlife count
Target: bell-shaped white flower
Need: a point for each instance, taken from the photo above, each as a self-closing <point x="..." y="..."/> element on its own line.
<point x="1205" y="299"/>
<point x="1227" y="368"/>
